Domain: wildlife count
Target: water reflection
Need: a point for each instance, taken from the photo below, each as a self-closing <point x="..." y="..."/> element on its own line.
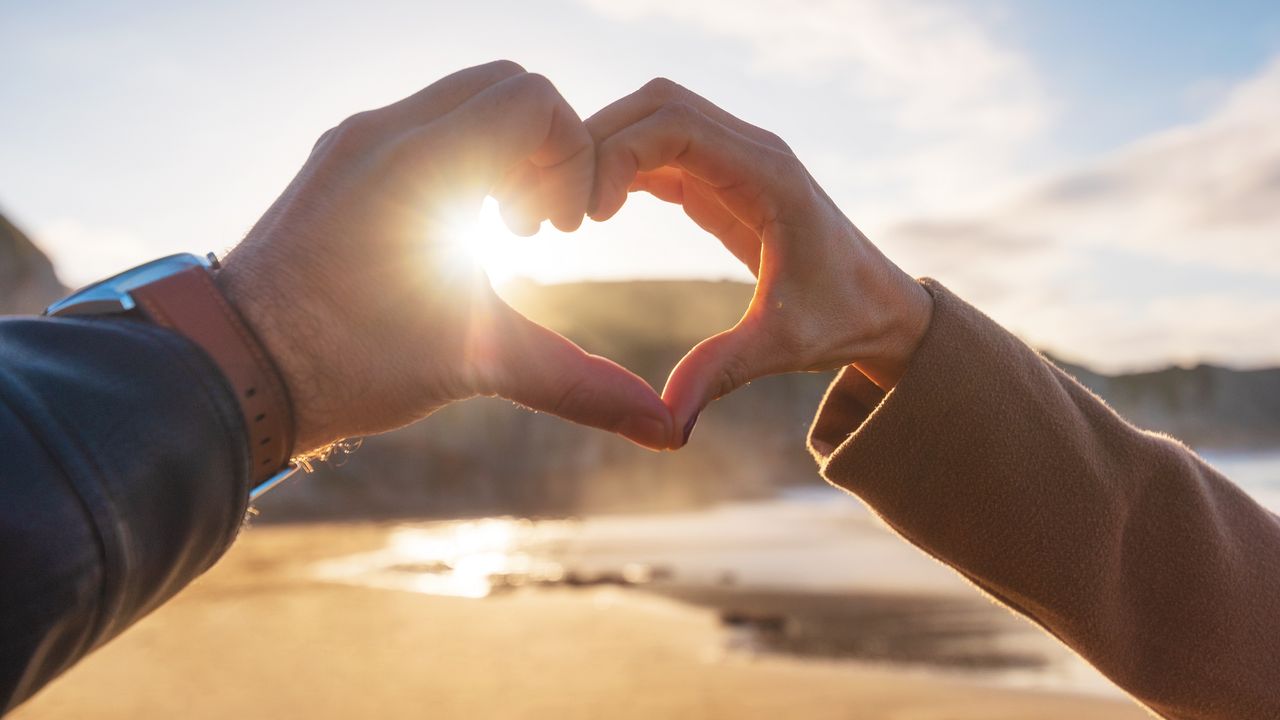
<point x="810" y="574"/>
<point x="457" y="559"/>
<point x="800" y="575"/>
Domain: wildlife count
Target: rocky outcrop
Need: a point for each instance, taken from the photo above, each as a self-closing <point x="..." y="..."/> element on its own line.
<point x="27" y="280"/>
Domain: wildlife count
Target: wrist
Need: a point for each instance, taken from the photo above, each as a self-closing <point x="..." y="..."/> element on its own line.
<point x="259" y="307"/>
<point x="908" y="310"/>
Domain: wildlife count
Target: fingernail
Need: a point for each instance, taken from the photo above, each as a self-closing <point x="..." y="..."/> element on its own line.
<point x="647" y="431"/>
<point x="688" y="427"/>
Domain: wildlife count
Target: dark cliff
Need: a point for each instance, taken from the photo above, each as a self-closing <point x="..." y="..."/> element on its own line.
<point x="27" y="280"/>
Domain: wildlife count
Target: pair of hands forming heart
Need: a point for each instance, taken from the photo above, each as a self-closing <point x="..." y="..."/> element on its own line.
<point x="346" y="279"/>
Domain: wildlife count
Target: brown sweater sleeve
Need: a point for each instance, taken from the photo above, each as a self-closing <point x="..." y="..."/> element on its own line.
<point x="1121" y="543"/>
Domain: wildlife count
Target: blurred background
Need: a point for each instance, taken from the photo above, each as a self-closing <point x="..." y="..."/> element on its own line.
<point x="1103" y="178"/>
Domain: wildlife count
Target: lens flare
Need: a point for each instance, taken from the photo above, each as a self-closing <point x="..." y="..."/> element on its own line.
<point x="485" y="240"/>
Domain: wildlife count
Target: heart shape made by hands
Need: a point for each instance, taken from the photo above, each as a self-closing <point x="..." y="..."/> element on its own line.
<point x="745" y="187"/>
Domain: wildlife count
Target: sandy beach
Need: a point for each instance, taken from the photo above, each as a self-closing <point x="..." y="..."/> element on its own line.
<point x="261" y="636"/>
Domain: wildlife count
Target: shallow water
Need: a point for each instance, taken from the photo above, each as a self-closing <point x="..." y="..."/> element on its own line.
<point x="810" y="573"/>
<point x="1257" y="472"/>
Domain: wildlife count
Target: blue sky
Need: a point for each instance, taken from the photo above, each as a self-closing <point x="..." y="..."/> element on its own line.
<point x="1128" y="68"/>
<point x="1099" y="176"/>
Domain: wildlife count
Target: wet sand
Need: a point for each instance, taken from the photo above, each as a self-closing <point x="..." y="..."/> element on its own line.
<point x="261" y="637"/>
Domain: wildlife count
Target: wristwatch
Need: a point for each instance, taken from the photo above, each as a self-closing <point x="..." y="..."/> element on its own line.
<point x="178" y="292"/>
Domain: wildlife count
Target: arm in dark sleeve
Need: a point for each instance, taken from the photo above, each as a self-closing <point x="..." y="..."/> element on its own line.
<point x="1120" y="542"/>
<point x="124" y="476"/>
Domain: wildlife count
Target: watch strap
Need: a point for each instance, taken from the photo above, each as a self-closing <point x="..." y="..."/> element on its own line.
<point x="190" y="303"/>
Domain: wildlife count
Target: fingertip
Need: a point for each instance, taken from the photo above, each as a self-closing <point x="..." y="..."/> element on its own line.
<point x="523" y="226"/>
<point x="608" y="207"/>
<point x="648" y="432"/>
<point x="568" y="223"/>
<point x="682" y="403"/>
<point x="595" y="200"/>
<point x="688" y="428"/>
<point x="519" y="216"/>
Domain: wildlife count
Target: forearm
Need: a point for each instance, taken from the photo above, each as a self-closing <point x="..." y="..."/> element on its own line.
<point x="1122" y="543"/>
<point x="126" y="477"/>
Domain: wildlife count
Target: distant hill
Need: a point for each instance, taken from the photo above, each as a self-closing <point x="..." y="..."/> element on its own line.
<point x="27" y="280"/>
<point x="486" y="456"/>
<point x="1206" y="406"/>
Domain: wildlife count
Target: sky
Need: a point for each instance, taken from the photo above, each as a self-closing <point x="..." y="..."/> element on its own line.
<point x="1102" y="177"/>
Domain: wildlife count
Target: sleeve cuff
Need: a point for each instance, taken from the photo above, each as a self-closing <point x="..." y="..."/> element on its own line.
<point x="867" y="440"/>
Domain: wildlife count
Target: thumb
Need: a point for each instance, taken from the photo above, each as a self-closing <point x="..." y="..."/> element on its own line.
<point x="714" y="368"/>
<point x="543" y="370"/>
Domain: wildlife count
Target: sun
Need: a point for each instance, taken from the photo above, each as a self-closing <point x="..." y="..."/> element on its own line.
<point x="486" y="240"/>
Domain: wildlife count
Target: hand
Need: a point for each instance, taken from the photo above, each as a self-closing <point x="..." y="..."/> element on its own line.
<point x="825" y="296"/>
<point x="372" y="315"/>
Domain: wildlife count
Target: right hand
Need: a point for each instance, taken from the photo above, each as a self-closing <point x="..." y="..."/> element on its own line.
<point x="372" y="315"/>
<point x="825" y="296"/>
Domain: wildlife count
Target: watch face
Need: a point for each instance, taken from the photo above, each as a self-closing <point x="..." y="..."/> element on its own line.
<point x="112" y="295"/>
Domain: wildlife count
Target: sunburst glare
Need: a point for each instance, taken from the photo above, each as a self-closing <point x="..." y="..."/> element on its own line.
<point x="485" y="240"/>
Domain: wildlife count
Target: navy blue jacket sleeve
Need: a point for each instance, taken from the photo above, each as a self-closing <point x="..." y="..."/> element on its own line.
<point x="124" y="476"/>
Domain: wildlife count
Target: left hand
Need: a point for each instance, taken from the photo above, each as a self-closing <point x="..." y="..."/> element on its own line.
<point x="825" y="296"/>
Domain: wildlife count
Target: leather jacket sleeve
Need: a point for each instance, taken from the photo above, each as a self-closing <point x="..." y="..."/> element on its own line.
<point x="124" y="477"/>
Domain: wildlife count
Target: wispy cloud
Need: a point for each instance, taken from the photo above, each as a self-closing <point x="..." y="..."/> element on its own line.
<point x="959" y="106"/>
<point x="1169" y="247"/>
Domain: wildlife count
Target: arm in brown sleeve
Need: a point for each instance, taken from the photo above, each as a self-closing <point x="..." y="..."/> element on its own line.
<point x="1121" y="543"/>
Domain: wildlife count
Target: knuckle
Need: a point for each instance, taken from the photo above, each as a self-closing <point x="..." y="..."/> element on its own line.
<point x="612" y="154"/>
<point x="577" y="396"/>
<point x="681" y="113"/>
<point x="324" y="138"/>
<point x="360" y="122"/>
<point x="535" y="84"/>
<point x="795" y="178"/>
<point x="505" y="67"/>
<point x="775" y="141"/>
<point x="788" y="165"/>
<point x="663" y="90"/>
<point x="356" y="131"/>
<point x="731" y="376"/>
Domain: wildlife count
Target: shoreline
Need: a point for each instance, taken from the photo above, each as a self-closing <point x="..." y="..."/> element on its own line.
<point x="262" y="636"/>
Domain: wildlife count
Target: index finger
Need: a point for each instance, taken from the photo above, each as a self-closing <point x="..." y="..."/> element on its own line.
<point x="521" y="118"/>
<point x="659" y="92"/>
<point x="434" y="101"/>
<point x="755" y="182"/>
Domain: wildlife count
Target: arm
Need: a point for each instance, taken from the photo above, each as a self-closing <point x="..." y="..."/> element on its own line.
<point x="125" y="460"/>
<point x="1121" y="543"/>
<point x="97" y="527"/>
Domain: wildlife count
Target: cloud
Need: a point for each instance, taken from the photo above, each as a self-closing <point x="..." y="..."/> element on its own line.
<point x="957" y="107"/>
<point x="932" y="63"/>
<point x="1169" y="247"/>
